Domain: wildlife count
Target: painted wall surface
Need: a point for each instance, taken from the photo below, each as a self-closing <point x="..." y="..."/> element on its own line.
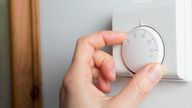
<point x="63" y="22"/>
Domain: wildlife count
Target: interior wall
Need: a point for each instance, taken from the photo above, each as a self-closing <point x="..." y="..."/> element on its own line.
<point x="63" y="22"/>
<point x="5" y="73"/>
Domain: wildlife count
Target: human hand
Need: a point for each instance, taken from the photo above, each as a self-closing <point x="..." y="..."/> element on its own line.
<point x="92" y="70"/>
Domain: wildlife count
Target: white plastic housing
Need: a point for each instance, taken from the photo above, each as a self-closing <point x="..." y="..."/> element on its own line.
<point x="173" y="20"/>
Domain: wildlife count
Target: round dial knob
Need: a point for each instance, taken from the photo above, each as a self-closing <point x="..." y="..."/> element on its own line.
<point x="142" y="46"/>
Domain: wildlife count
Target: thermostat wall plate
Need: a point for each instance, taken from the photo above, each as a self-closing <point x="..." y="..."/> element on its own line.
<point x="158" y="31"/>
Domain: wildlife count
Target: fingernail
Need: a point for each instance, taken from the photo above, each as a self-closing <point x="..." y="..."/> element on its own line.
<point x="155" y="72"/>
<point x="152" y="76"/>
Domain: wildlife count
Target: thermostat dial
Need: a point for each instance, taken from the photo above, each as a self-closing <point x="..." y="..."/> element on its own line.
<point x="142" y="46"/>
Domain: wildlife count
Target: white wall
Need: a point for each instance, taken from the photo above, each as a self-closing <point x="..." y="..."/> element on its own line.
<point x="62" y="22"/>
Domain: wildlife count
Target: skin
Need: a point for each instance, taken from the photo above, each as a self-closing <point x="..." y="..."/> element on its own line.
<point x="88" y="78"/>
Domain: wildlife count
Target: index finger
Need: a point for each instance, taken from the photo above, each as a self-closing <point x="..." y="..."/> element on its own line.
<point x="87" y="45"/>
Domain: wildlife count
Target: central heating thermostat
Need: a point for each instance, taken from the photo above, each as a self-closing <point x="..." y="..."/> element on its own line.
<point x="157" y="31"/>
<point x="143" y="45"/>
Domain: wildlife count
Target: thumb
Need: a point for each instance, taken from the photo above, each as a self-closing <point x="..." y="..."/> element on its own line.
<point x="140" y="86"/>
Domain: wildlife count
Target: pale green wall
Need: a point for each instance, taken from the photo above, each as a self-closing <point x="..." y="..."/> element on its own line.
<point x="5" y="74"/>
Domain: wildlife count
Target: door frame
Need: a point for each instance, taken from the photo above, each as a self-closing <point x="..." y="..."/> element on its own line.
<point x="25" y="53"/>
